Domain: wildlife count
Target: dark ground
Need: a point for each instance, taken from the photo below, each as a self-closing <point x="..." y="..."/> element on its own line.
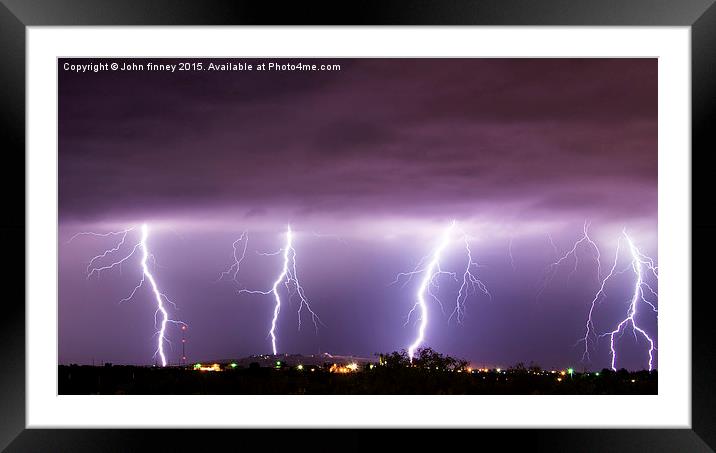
<point x="379" y="380"/>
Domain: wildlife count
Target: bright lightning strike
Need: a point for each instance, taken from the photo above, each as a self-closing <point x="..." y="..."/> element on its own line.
<point x="94" y="267"/>
<point x="431" y="270"/>
<point x="639" y="262"/>
<point x="289" y="277"/>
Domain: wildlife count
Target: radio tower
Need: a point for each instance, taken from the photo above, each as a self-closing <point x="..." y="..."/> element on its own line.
<point x="183" y="344"/>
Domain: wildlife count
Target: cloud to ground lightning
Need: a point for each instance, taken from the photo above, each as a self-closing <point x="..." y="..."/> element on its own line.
<point x="289" y="277"/>
<point x="642" y="266"/>
<point x="431" y="269"/>
<point x="95" y="267"/>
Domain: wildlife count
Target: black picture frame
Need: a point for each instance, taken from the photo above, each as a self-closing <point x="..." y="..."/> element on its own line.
<point x="16" y="15"/>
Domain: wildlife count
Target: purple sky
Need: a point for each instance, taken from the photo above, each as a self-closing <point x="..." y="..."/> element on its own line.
<point x="383" y="154"/>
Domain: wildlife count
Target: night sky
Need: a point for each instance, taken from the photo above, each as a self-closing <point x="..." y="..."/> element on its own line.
<point x="368" y="164"/>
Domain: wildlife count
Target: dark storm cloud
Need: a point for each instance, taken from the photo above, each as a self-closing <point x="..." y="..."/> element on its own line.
<point x="401" y="137"/>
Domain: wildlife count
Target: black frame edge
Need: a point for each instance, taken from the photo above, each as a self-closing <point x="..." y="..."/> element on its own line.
<point x="562" y="440"/>
<point x="700" y="14"/>
<point x="12" y="225"/>
<point x="703" y="108"/>
<point x="366" y="12"/>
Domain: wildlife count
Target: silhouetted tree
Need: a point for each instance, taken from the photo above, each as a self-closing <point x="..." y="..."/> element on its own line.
<point x="396" y="359"/>
<point x="428" y="358"/>
<point x="461" y="364"/>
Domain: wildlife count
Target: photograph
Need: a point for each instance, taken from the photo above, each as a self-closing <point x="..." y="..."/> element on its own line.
<point x="357" y="226"/>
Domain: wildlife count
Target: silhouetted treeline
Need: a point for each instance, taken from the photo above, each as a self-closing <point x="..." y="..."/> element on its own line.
<point x="425" y="358"/>
<point x="430" y="373"/>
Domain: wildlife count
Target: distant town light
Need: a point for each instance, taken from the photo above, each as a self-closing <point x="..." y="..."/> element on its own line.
<point x="233" y="365"/>
<point x="214" y="367"/>
<point x="300" y="367"/>
<point x="335" y="368"/>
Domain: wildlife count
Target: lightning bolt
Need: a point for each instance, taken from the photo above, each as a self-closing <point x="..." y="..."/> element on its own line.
<point x="102" y="235"/>
<point x="552" y="244"/>
<point x="160" y="298"/>
<point x="233" y="270"/>
<point x="92" y="269"/>
<point x="430" y="267"/>
<point x="600" y="294"/>
<point x="330" y="236"/>
<point x="289" y="278"/>
<point x="583" y="239"/>
<point x="469" y="282"/>
<point x="639" y="261"/>
<point x="509" y="252"/>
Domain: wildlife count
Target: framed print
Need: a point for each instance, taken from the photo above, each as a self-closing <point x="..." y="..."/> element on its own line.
<point x="239" y="216"/>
